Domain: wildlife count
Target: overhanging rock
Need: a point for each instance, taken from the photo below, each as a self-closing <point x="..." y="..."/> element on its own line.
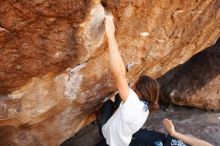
<point x="54" y="67"/>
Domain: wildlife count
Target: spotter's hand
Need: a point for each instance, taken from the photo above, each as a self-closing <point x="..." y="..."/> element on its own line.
<point x="168" y="124"/>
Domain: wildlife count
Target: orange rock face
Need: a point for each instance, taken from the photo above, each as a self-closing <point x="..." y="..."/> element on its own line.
<point x="54" y="67"/>
<point x="38" y="37"/>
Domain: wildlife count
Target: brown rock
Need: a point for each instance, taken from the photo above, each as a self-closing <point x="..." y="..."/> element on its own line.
<point x="39" y="37"/>
<point x="54" y="67"/>
<point x="196" y="82"/>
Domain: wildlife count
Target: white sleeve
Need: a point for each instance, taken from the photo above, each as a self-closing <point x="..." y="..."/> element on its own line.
<point x="132" y="107"/>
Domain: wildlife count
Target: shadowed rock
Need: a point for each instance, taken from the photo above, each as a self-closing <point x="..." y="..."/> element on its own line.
<point x="196" y="82"/>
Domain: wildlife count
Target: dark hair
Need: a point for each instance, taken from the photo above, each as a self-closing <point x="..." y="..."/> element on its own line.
<point x="149" y="90"/>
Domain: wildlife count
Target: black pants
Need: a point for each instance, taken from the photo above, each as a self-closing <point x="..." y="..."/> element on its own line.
<point x="142" y="137"/>
<point x="107" y="110"/>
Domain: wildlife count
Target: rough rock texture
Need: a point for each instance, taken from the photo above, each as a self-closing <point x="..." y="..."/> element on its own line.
<point x="53" y="62"/>
<point x="196" y="82"/>
<point x="40" y="37"/>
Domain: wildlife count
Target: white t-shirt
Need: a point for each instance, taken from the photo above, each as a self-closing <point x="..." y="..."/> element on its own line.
<point x="128" y="119"/>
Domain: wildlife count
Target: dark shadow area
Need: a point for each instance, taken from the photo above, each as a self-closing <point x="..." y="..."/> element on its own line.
<point x="188" y="78"/>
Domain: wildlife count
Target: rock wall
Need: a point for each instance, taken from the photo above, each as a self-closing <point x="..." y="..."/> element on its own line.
<point x="196" y="82"/>
<point x="54" y="67"/>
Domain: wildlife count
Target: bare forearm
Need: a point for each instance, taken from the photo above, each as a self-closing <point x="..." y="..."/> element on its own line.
<point x="116" y="62"/>
<point x="118" y="68"/>
<point x="190" y="140"/>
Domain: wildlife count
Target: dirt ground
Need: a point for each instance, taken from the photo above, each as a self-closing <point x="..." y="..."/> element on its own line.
<point x="191" y="121"/>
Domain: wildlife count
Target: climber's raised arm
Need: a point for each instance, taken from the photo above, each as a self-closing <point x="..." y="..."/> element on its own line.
<point x="116" y="62"/>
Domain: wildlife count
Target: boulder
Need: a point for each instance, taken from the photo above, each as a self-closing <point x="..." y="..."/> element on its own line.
<point x="54" y="69"/>
<point x="196" y="82"/>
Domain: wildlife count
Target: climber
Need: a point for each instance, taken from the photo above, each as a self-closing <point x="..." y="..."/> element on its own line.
<point x="123" y="116"/>
<point x="130" y="115"/>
